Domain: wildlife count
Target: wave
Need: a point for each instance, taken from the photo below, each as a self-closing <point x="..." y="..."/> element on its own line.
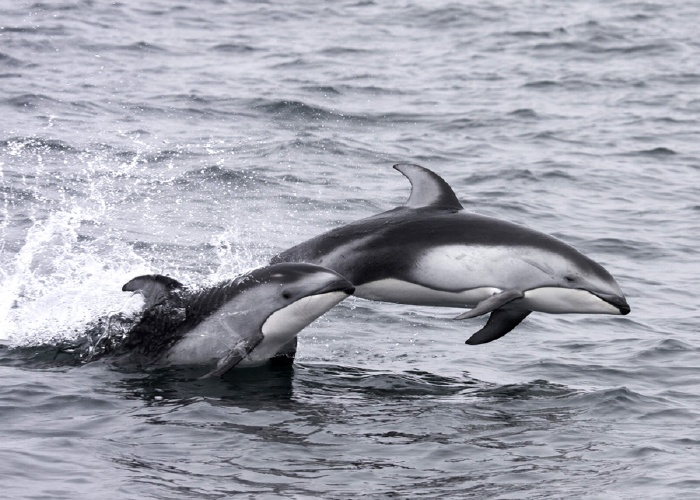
<point x="299" y="110"/>
<point x="322" y="89"/>
<point x="599" y="49"/>
<point x="140" y="46"/>
<point x="9" y="61"/>
<point x="32" y="101"/>
<point x="659" y="152"/>
<point x="343" y="51"/>
<point x="619" y="403"/>
<point x="36" y="144"/>
<point x="631" y="248"/>
<point x="216" y="174"/>
<point x="296" y="110"/>
<point x="413" y="383"/>
<point x="525" y="113"/>
<point x="234" y="48"/>
<point x="528" y="390"/>
<point x="454" y="15"/>
<point x="33" y="29"/>
<point x="533" y="34"/>
<point x="665" y="349"/>
<point x="541" y="397"/>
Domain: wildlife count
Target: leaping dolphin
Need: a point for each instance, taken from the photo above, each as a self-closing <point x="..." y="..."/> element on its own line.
<point x="242" y="322"/>
<point x="430" y="251"/>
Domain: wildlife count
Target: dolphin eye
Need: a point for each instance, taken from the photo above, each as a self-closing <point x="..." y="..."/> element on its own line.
<point x="286" y="295"/>
<point x="569" y="279"/>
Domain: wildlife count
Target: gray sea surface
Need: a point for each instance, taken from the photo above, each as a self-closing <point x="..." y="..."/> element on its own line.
<point x="197" y="139"/>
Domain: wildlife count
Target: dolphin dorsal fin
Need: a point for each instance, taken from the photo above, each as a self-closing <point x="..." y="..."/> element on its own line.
<point x="155" y="288"/>
<point x="428" y="189"/>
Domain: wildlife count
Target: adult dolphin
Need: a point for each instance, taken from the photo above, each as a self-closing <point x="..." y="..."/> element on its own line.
<point x="430" y="251"/>
<point x="237" y="323"/>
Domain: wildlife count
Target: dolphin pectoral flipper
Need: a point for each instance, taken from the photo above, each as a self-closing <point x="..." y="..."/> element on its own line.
<point x="155" y="288"/>
<point x="428" y="189"/>
<point x="492" y="303"/>
<point x="239" y="351"/>
<point x="500" y="322"/>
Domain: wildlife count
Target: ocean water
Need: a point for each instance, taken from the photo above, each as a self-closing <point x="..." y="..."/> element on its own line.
<point x="198" y="139"/>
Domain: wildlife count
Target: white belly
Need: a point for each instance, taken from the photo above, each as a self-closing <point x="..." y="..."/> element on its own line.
<point x="403" y="292"/>
<point x="564" y="300"/>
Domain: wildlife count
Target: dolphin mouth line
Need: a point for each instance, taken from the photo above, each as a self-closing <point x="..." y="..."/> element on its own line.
<point x="347" y="290"/>
<point x="344" y="286"/>
<point x="619" y="302"/>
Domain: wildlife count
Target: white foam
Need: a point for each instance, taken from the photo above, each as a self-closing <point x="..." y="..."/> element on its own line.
<point x="55" y="284"/>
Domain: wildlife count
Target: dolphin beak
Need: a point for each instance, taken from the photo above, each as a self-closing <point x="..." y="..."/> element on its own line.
<point x="617" y="301"/>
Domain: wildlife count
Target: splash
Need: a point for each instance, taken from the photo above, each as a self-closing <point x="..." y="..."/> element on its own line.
<point x="98" y="217"/>
<point x="55" y="284"/>
<point x="59" y="286"/>
<point x="233" y="257"/>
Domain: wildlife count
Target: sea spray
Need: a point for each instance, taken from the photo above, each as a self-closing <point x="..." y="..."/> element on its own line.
<point x="56" y="284"/>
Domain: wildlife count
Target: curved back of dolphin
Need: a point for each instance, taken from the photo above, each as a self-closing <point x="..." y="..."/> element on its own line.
<point x="430" y="251"/>
<point x="241" y="322"/>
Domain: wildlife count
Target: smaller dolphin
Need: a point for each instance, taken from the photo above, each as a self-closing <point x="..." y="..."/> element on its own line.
<point x="238" y="323"/>
<point x="431" y="251"/>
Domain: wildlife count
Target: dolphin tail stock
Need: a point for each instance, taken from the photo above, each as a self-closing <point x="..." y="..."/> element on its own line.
<point x="500" y="322"/>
